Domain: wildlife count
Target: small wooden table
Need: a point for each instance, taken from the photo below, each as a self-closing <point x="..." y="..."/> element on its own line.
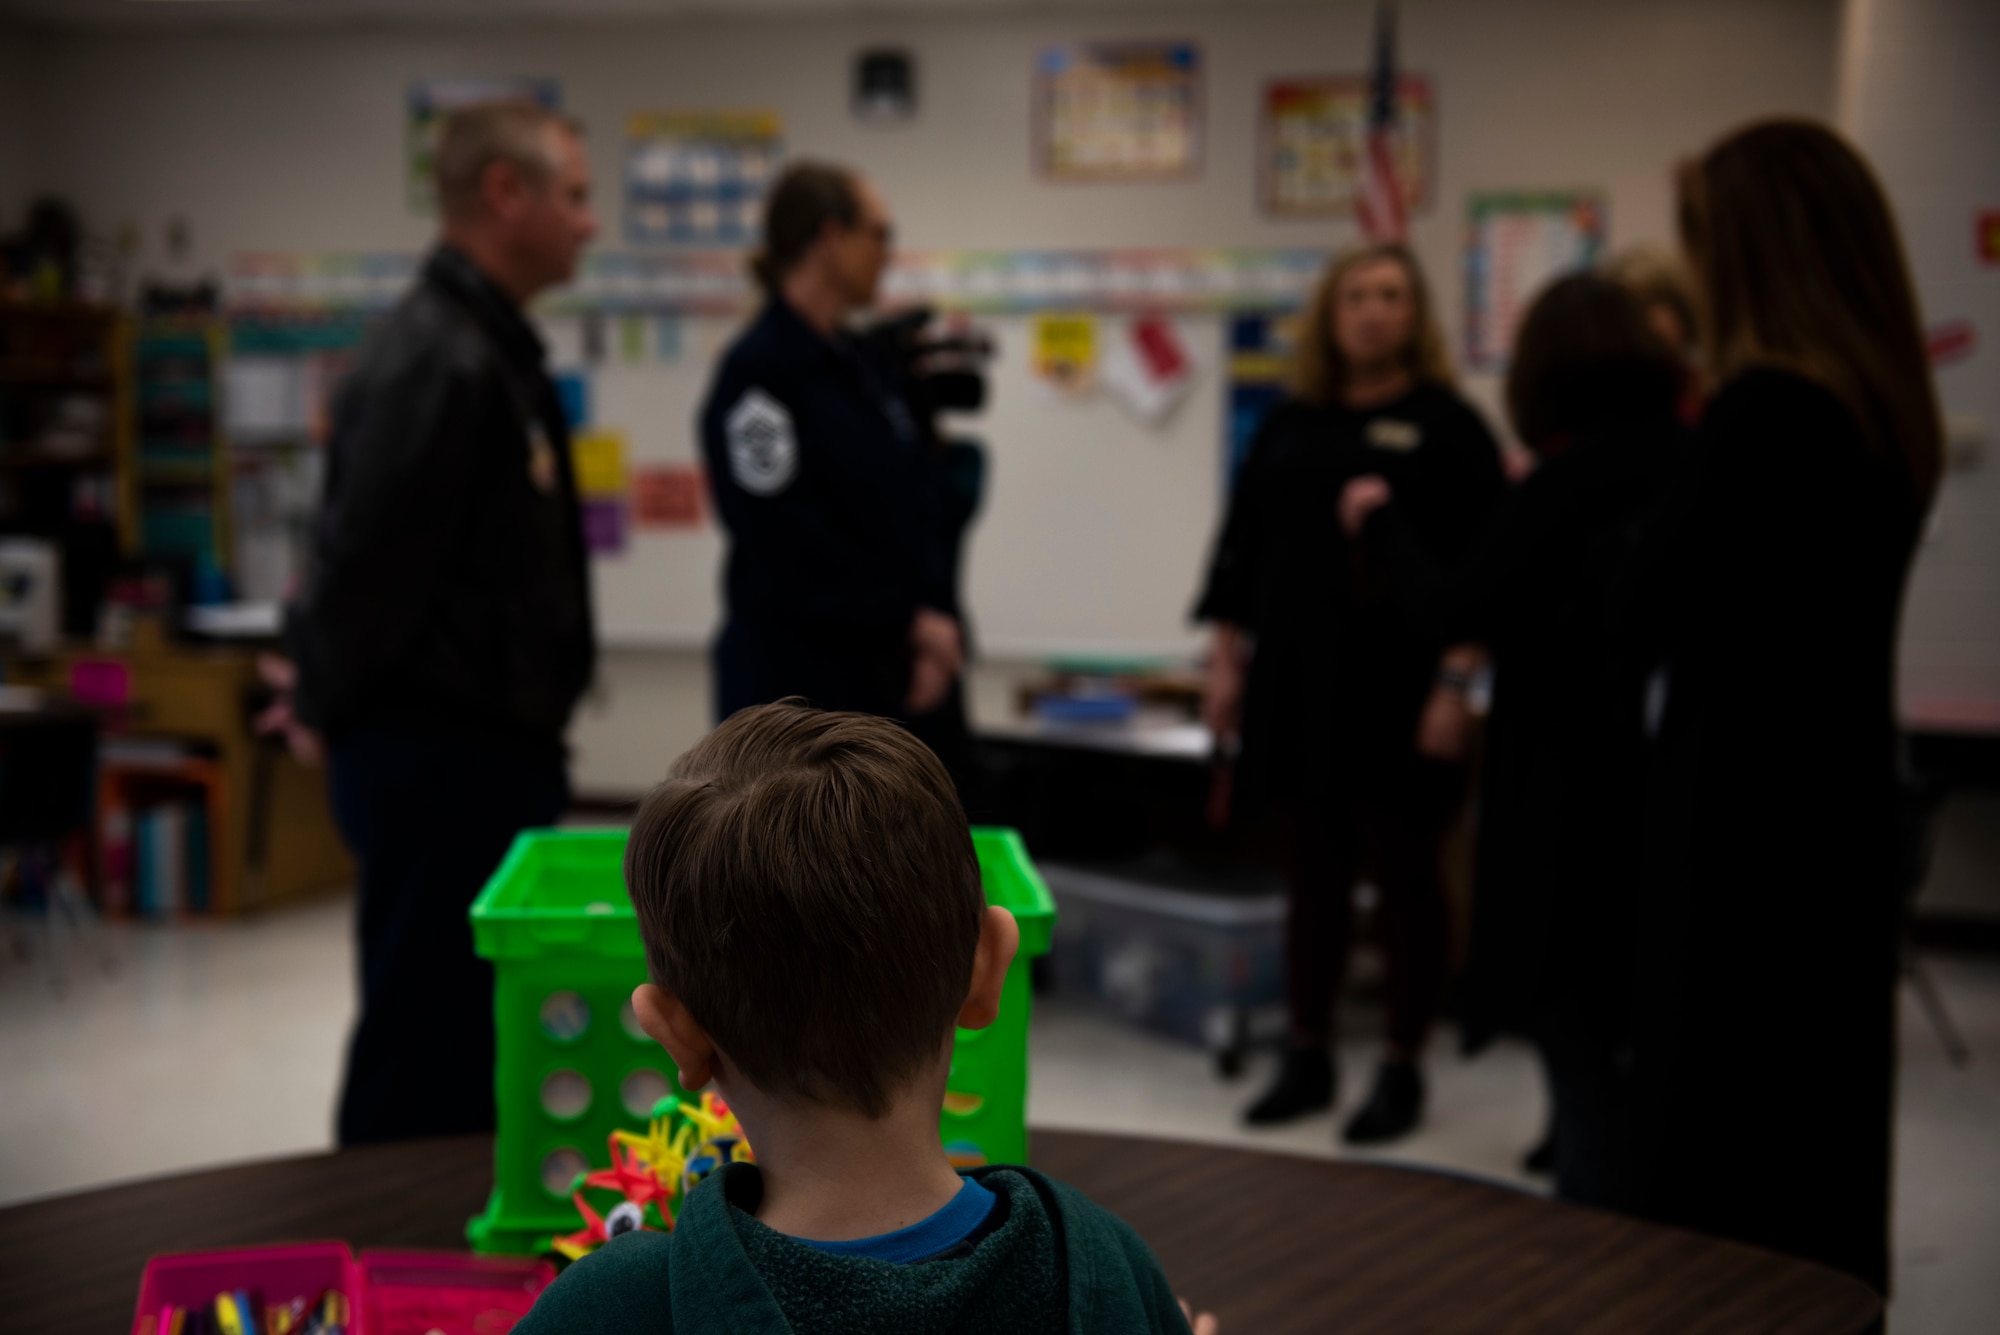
<point x="1270" y="1243"/>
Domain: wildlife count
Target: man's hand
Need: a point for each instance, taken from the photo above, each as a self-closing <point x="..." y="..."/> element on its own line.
<point x="1359" y="499"/>
<point x="937" y="656"/>
<point x="282" y="676"/>
<point x="1201" y="1323"/>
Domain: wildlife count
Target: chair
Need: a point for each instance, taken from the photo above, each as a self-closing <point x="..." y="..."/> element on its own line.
<point x="48" y="763"/>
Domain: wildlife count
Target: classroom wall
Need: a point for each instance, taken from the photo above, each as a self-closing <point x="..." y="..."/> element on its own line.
<point x="1918" y="93"/>
<point x="291" y="139"/>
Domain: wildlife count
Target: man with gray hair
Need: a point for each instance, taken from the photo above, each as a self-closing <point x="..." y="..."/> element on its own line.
<point x="445" y="635"/>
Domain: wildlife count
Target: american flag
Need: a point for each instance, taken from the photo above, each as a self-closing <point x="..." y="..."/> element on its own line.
<point x="1379" y="207"/>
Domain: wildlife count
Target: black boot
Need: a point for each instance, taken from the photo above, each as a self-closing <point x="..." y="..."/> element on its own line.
<point x="1304" y="1085"/>
<point x="1394" y="1106"/>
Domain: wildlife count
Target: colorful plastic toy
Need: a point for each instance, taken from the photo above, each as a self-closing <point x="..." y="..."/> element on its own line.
<point x="575" y="1071"/>
<point x="652" y="1172"/>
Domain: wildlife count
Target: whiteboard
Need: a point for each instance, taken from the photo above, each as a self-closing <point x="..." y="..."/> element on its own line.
<point x="1093" y="533"/>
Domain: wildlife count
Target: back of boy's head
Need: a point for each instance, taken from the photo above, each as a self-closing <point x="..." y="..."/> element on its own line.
<point x="806" y="885"/>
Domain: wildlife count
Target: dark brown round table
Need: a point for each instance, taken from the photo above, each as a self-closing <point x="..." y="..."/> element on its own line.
<point x="1270" y="1243"/>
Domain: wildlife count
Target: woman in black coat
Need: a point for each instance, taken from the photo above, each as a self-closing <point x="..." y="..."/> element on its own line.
<point x="1329" y="687"/>
<point x="1764" y="1035"/>
<point x="1592" y="390"/>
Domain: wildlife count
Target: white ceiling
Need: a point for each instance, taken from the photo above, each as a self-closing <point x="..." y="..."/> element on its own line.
<point x="182" y="14"/>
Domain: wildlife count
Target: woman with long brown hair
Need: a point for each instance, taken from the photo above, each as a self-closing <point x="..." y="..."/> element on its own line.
<point x="1351" y="719"/>
<point x="1764" y="1037"/>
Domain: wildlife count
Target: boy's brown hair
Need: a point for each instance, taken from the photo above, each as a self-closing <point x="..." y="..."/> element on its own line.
<point x="806" y="885"/>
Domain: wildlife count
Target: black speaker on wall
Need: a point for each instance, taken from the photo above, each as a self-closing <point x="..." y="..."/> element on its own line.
<point x="885" y="86"/>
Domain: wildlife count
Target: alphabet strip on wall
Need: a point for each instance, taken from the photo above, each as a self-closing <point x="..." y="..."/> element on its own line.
<point x="717" y="282"/>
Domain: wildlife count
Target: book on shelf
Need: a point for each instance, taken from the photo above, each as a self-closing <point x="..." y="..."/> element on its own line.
<point x="171" y="859"/>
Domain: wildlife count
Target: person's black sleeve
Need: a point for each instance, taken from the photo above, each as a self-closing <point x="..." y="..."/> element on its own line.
<point x="937" y="541"/>
<point x="819" y="570"/>
<point x="1650" y="596"/>
<point x="1235" y="570"/>
<point x="401" y="460"/>
<point x="1470" y="485"/>
<point x="1477" y="598"/>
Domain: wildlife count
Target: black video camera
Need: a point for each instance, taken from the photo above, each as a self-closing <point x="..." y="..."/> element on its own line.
<point x="944" y="367"/>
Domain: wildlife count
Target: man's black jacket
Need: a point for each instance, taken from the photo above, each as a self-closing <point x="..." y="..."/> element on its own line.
<point x="449" y="589"/>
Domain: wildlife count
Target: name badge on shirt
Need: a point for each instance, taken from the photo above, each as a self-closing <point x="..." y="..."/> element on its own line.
<point x="541" y="459"/>
<point x="1391" y="433"/>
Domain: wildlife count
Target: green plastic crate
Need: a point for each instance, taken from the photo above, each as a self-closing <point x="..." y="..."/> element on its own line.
<point x="573" y="1066"/>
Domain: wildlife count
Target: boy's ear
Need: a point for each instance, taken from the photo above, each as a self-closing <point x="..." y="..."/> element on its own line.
<point x="999" y="938"/>
<point x="669" y="1023"/>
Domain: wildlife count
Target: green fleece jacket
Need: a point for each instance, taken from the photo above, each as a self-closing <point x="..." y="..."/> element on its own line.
<point x="1057" y="1263"/>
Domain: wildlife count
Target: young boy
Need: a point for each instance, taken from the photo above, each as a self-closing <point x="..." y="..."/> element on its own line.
<point x="815" y="930"/>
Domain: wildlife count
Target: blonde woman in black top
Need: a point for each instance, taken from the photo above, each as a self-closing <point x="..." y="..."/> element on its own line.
<point x="1351" y="720"/>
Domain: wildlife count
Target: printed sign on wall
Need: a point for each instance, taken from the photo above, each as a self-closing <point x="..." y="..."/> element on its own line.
<point x="1064" y="353"/>
<point x="1118" y="111"/>
<point x="1515" y="243"/>
<point x="697" y="178"/>
<point x="1987" y="236"/>
<point x="667" y="496"/>
<point x="599" y="457"/>
<point x="1314" y="141"/>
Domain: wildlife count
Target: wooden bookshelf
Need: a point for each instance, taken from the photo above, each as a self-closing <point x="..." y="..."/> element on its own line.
<point x="57" y="356"/>
<point x="271" y="830"/>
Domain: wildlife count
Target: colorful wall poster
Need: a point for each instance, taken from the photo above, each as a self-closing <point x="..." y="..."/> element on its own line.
<point x="1313" y="141"/>
<point x="600" y="462"/>
<point x="431" y="100"/>
<point x="598" y="456"/>
<point x="1063" y="351"/>
<point x="667" y="496"/>
<point x="603" y="525"/>
<point x="1951" y="341"/>
<point x="1118" y="111"/>
<point x="1515" y="243"/>
<point x="697" y="178"/>
<point x="1986" y="235"/>
<point x="1147" y="366"/>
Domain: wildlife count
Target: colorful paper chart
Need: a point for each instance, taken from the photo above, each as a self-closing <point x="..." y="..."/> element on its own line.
<point x="1516" y="243"/>
<point x="698" y="178"/>
<point x="1987" y="236"/>
<point x="1065" y="350"/>
<point x="667" y="496"/>
<point x="431" y="100"/>
<point x="1118" y="111"/>
<point x="603" y="525"/>
<point x="600" y="463"/>
<point x="1314" y="137"/>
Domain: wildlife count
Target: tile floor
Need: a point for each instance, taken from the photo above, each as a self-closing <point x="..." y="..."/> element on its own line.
<point x="224" y="1041"/>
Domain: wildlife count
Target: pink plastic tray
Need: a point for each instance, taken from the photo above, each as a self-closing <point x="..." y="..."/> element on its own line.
<point x="388" y="1292"/>
<point x="414" y="1293"/>
<point x="192" y="1279"/>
